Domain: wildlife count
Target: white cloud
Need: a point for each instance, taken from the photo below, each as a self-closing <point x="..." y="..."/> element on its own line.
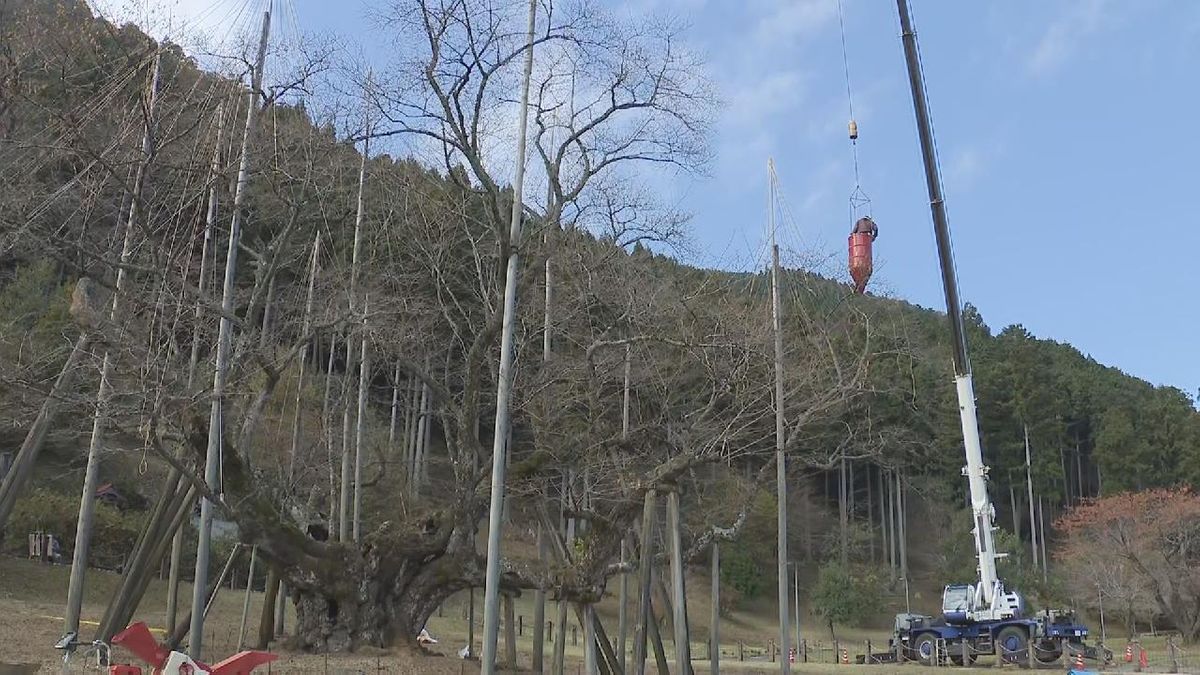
<point x="1067" y="34"/>
<point x="790" y="20"/>
<point x="965" y="165"/>
<point x="969" y="163"/>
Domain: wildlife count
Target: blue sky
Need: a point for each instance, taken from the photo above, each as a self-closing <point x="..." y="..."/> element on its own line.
<point x="1066" y="130"/>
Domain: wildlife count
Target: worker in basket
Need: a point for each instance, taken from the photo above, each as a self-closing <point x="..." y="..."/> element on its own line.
<point x="866" y="226"/>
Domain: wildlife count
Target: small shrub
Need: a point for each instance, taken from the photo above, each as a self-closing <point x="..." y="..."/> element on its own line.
<point x="742" y="571"/>
<point x="847" y="596"/>
<point x="113" y="536"/>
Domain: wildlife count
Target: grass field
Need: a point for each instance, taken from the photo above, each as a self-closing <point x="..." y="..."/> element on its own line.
<point x="32" y="598"/>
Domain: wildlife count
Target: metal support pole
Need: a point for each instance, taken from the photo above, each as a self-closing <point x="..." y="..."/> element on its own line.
<point x="504" y="388"/>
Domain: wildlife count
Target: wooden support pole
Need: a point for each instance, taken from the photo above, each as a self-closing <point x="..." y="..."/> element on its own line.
<point x="267" y="625"/>
<point x="622" y="604"/>
<point x="212" y="468"/>
<point x="660" y="654"/>
<point x="246" y="600"/>
<point x="510" y="632"/>
<point x="1033" y="526"/>
<point x="714" y="630"/>
<point x="345" y="486"/>
<point x="683" y="651"/>
<point x="87" y="498"/>
<point x="645" y="617"/>
<point x="539" y="609"/>
<point x="360" y="428"/>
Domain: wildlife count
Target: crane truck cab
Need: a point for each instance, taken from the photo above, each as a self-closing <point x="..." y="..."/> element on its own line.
<point x="966" y="603"/>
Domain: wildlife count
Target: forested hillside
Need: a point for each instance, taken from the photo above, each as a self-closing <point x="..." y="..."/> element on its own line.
<point x="364" y="342"/>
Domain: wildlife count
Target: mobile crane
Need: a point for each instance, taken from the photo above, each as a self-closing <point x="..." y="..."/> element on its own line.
<point x="985" y="617"/>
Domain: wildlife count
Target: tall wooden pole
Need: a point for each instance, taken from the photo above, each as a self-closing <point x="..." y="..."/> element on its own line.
<point x="391" y="446"/>
<point x="1033" y="526"/>
<point x="902" y="527"/>
<point x="355" y="264"/>
<point x="871" y="509"/>
<point x="210" y="222"/>
<point x="714" y="623"/>
<point x="539" y="610"/>
<point x="345" y="489"/>
<point x="327" y="422"/>
<point x="308" y="308"/>
<point x="623" y="609"/>
<point x="491" y="608"/>
<point x="216" y="422"/>
<point x="645" y="576"/>
<point x="1016" y="509"/>
<point x="560" y="636"/>
<point x="843" y="515"/>
<point x="420" y="437"/>
<point x="246" y="600"/>
<point x="796" y="598"/>
<point x="281" y="592"/>
<point x="411" y="418"/>
<point x="780" y="457"/>
<point x="539" y="597"/>
<point x="87" y="498"/>
<point x="364" y="382"/>
<point x="886" y="515"/>
<point x="884" y="507"/>
<point x="471" y="623"/>
<point x="683" y="650"/>
<point x="590" y="657"/>
<point x="894" y="516"/>
<point x="1042" y="527"/>
<point x="423" y="440"/>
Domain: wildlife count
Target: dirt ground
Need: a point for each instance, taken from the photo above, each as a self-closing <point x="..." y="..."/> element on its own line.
<point x="32" y="597"/>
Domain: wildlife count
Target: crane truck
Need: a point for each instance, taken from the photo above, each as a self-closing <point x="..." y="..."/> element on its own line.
<point x="984" y="617"/>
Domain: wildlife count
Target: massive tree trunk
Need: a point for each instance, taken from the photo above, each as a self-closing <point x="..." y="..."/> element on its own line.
<point x="377" y="592"/>
<point x="381" y="601"/>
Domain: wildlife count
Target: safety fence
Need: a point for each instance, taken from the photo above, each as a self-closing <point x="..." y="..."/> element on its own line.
<point x="1155" y="653"/>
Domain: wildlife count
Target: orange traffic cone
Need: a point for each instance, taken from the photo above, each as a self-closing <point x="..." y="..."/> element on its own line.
<point x="1129" y="653"/>
<point x="1079" y="661"/>
<point x="845" y="657"/>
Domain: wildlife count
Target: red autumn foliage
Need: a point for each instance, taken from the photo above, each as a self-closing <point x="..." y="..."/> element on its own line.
<point x="1138" y="548"/>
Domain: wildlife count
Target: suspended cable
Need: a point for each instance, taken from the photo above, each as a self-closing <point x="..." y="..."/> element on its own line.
<point x="859" y="201"/>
